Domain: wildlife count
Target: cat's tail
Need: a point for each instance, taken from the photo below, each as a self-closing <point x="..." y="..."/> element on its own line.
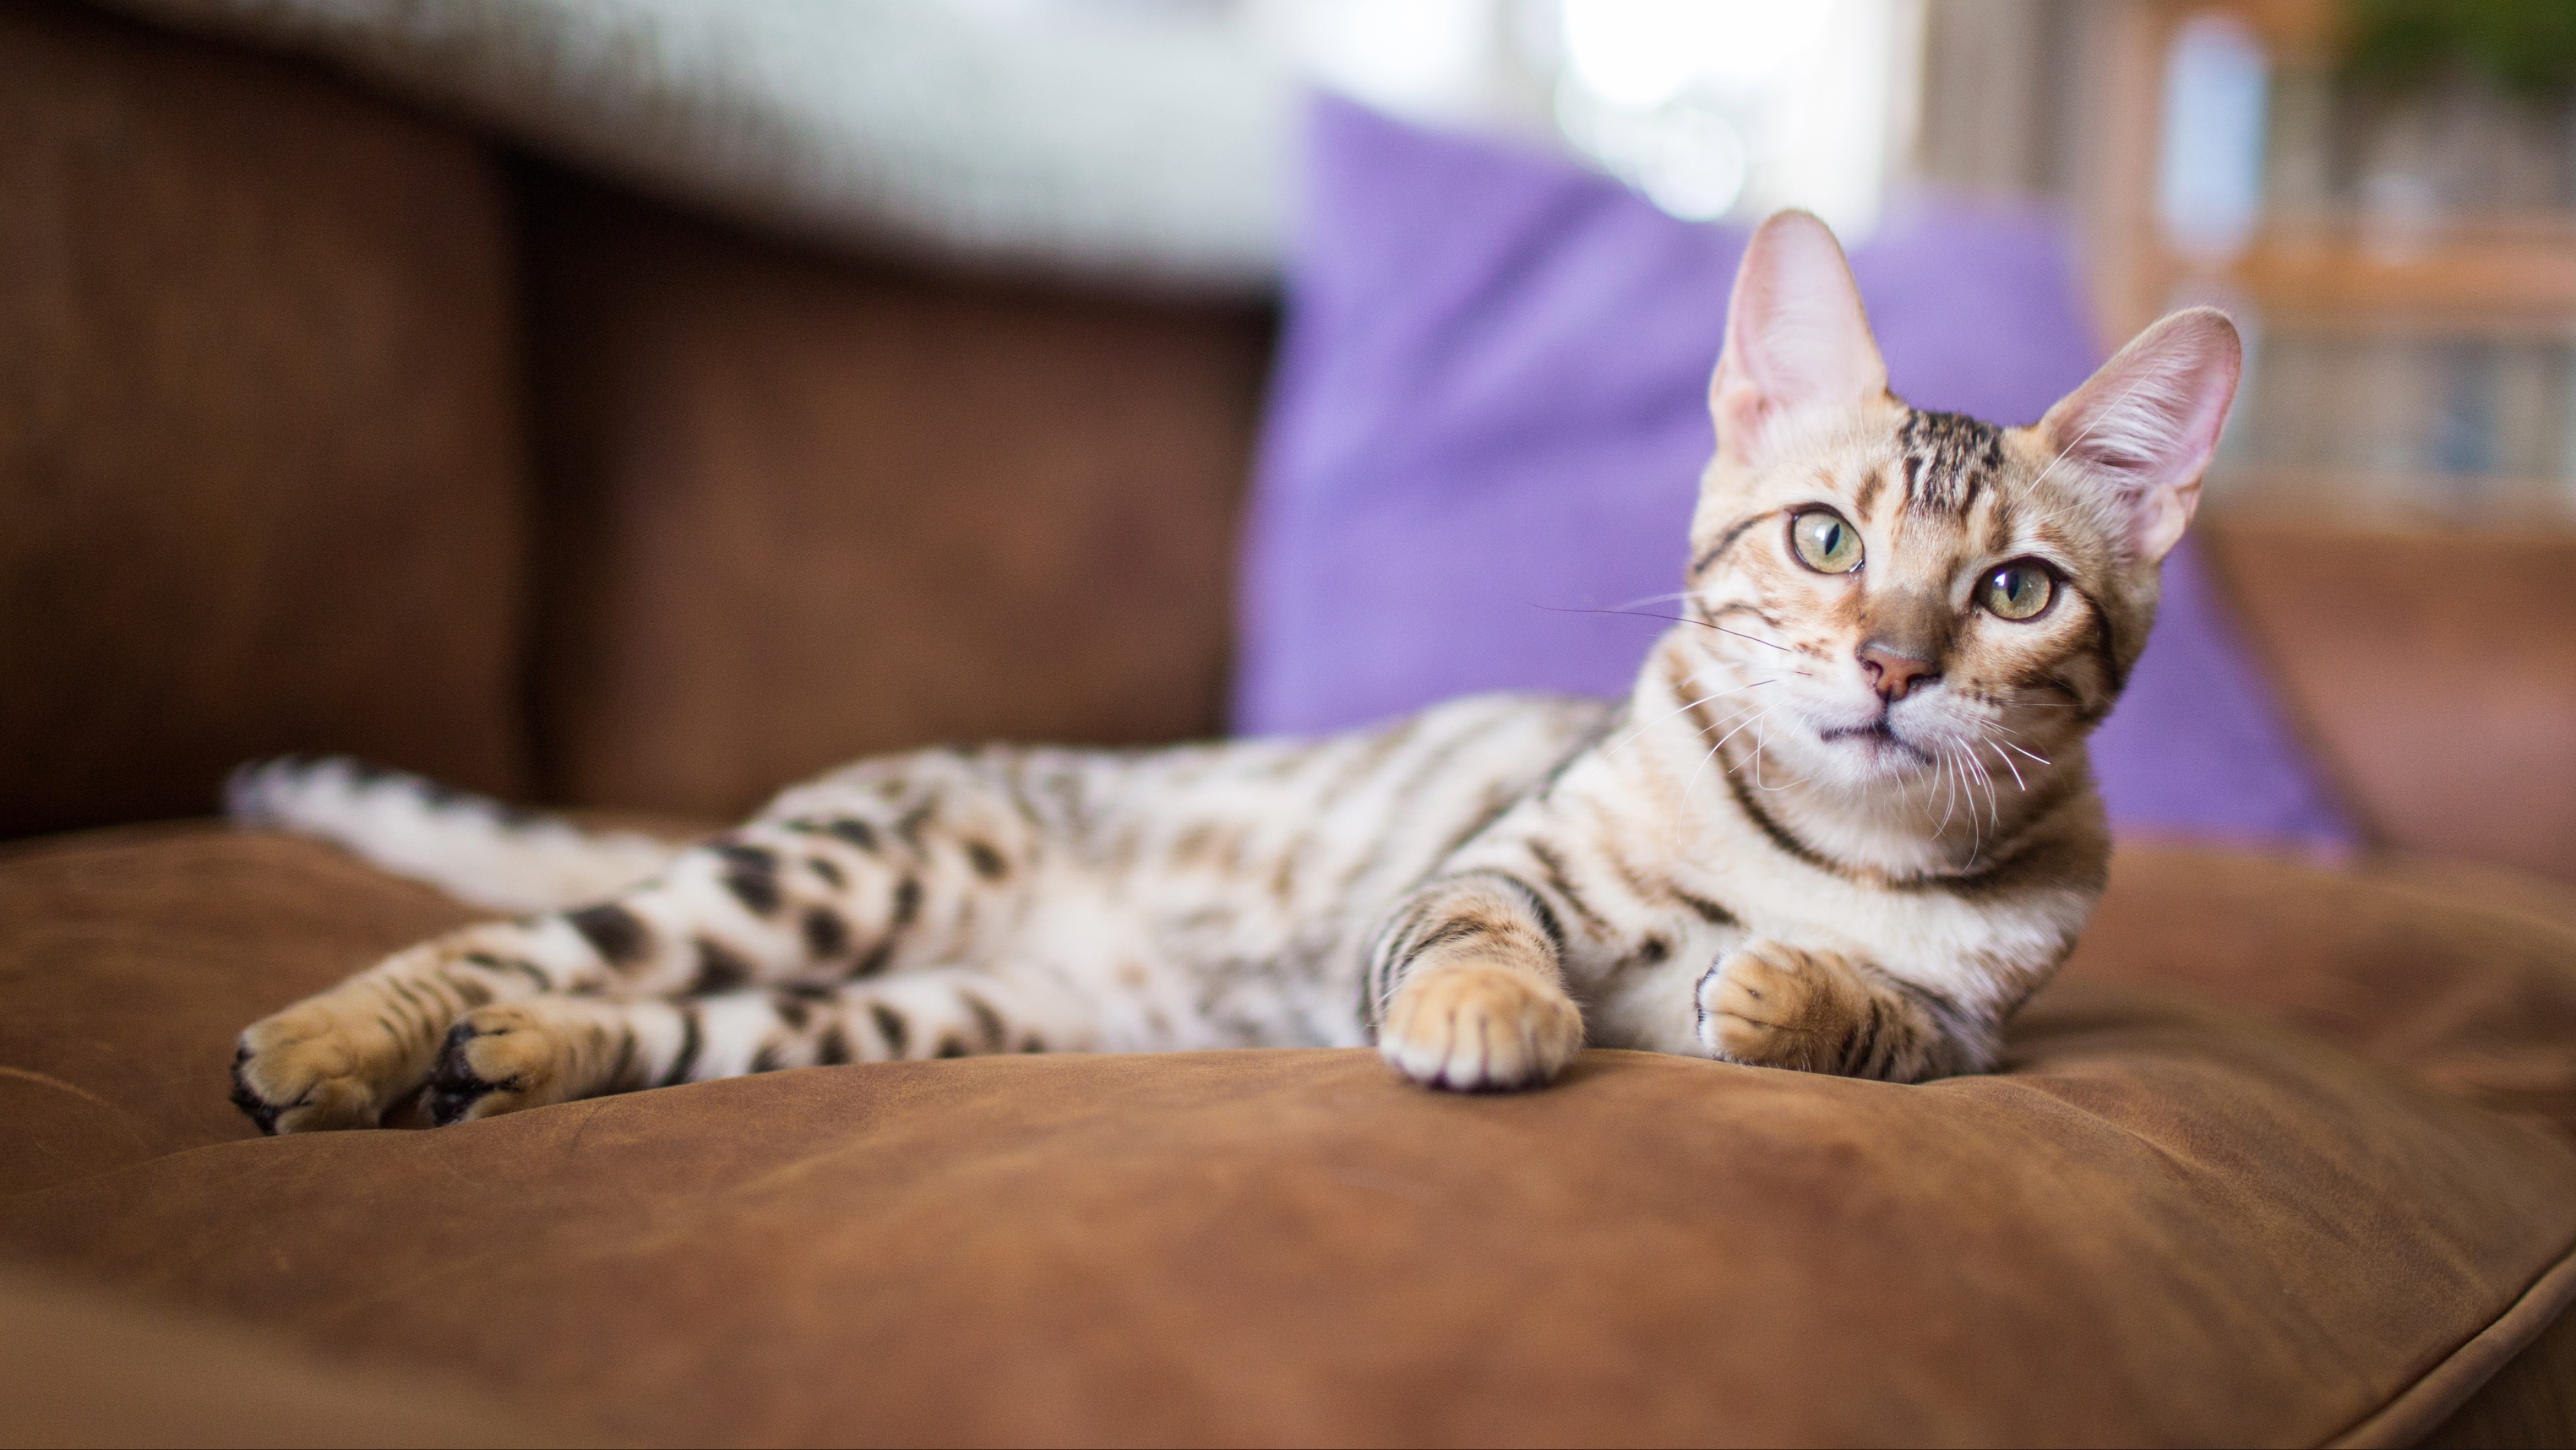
<point x="474" y="849"/>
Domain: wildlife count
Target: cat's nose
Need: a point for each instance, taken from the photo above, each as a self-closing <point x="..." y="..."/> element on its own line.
<point x="1892" y="673"/>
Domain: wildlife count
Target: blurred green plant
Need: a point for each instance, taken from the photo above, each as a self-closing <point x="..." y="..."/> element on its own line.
<point x="2528" y="47"/>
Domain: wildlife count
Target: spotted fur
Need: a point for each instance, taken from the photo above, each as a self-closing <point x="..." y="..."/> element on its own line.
<point x="1767" y="853"/>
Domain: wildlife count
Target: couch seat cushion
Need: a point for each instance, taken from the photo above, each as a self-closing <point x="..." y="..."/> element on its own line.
<point x="2170" y="1218"/>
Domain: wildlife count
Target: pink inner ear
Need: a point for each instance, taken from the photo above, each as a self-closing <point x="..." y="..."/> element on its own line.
<point x="2148" y="422"/>
<point x="1797" y="339"/>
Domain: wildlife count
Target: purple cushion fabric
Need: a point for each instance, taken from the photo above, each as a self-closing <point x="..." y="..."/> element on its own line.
<point x="1490" y="415"/>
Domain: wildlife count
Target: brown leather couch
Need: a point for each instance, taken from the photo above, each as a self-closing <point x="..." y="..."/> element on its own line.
<point x="327" y="425"/>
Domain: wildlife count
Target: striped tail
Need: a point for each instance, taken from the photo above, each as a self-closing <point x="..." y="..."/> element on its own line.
<point x="472" y="848"/>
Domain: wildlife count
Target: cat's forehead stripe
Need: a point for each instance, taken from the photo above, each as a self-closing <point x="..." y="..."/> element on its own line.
<point x="1946" y="459"/>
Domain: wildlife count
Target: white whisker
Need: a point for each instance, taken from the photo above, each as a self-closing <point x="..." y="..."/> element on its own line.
<point x="1654" y="599"/>
<point x="1667" y="715"/>
<point x="2018" y="783"/>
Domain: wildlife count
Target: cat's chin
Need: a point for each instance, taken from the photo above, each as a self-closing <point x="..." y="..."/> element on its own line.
<point x="1875" y="752"/>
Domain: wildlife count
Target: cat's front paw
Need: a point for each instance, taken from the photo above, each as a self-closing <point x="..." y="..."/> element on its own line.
<point x="1470" y="1027"/>
<point x="1772" y="1005"/>
<point x="315" y="1066"/>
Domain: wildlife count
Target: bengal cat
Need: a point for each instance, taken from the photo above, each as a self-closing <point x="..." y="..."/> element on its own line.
<point x="1843" y="823"/>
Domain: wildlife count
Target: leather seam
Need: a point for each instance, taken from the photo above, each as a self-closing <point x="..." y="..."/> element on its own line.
<point x="2439" y="1392"/>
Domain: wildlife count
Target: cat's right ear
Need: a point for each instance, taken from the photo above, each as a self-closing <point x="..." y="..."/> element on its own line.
<point x="1797" y="341"/>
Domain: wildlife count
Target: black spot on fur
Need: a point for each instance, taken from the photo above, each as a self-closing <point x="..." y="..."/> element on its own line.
<point x="949" y="1046"/>
<point x="791" y="1011"/>
<point x="891" y="1027"/>
<point x="719" y="970"/>
<point x="986" y="861"/>
<point x="987" y="1021"/>
<point x="826" y="935"/>
<point x="1653" y="949"/>
<point x="751" y="874"/>
<point x="871" y="964"/>
<point x="857" y="833"/>
<point x="907" y="903"/>
<point x="618" y="935"/>
<point x="909" y="824"/>
<point x="768" y="1058"/>
<point x="1032" y="1044"/>
<point x="834" y="1047"/>
<point x="830" y="873"/>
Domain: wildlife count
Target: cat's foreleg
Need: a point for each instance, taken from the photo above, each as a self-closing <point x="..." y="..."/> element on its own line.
<point x="554" y="1048"/>
<point x="1770" y="1004"/>
<point x="778" y="902"/>
<point x="1466" y="986"/>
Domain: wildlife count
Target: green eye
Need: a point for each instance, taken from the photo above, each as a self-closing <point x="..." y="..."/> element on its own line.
<point x="2017" y="591"/>
<point x="1824" y="542"/>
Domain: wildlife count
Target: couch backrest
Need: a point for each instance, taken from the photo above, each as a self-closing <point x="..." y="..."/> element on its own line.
<point x="276" y="359"/>
<point x="262" y="483"/>
<point x="798" y="509"/>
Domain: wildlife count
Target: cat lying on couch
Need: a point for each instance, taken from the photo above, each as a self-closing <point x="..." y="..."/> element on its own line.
<point x="1843" y="824"/>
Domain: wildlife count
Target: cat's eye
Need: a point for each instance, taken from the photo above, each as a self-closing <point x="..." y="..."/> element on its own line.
<point x="2018" y="590"/>
<point x="1824" y="542"/>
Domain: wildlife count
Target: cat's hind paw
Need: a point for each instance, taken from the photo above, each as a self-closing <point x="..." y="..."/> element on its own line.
<point x="499" y="1059"/>
<point x="1472" y="1028"/>
<point x="310" y="1068"/>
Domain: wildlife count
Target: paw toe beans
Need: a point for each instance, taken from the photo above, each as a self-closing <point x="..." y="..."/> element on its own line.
<point x="494" y="1060"/>
<point x="1472" y="1028"/>
<point x="1768" y="1007"/>
<point x="300" y="1072"/>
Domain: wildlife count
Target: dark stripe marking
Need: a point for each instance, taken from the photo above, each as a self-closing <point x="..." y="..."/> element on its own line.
<point x="833" y="1048"/>
<point x="1724" y="542"/>
<point x="692" y="1038"/>
<point x="1706" y="910"/>
<point x="891" y="1027"/>
<point x="987" y="1021"/>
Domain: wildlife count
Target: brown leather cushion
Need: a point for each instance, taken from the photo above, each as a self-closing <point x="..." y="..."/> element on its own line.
<point x="82" y="1367"/>
<point x="260" y="461"/>
<point x="2168" y="1220"/>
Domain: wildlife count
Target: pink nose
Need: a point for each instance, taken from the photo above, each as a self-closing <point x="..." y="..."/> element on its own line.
<point x="1893" y="674"/>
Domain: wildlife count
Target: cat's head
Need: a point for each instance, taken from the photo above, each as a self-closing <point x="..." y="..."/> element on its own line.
<point x="1924" y="586"/>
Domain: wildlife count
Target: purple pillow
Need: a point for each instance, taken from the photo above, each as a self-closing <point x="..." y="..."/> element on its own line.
<point x="1489" y="418"/>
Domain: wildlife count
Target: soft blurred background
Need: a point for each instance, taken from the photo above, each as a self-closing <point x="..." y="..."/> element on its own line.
<point x="2381" y="190"/>
<point x="936" y="345"/>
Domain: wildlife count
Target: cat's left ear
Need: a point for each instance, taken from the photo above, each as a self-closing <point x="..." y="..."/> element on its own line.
<point x="2147" y="423"/>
